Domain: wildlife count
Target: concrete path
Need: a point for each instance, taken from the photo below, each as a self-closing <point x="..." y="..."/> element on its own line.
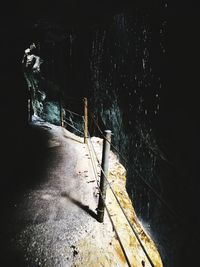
<point x="50" y="201"/>
<point x="49" y="195"/>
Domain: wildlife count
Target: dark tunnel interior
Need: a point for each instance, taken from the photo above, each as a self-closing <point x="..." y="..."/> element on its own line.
<point x="178" y="123"/>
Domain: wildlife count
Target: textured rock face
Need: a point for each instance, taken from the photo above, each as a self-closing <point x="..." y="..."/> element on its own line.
<point x="120" y="66"/>
<point x="117" y="180"/>
<point x="126" y="96"/>
<point x="125" y="87"/>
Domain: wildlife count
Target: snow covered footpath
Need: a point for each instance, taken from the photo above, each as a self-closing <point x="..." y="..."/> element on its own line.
<point x="59" y="212"/>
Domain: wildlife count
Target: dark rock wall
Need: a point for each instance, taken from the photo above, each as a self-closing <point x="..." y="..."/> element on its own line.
<point x="143" y="80"/>
<point x="138" y="67"/>
<point x="127" y="66"/>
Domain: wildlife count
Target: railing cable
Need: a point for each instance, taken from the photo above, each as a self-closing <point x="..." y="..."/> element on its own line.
<point x="110" y="218"/>
<point x="134" y="231"/>
<point x="73" y="127"/>
<point x="71" y="112"/>
<point x="72" y="122"/>
<point x="108" y="183"/>
<point x="139" y="175"/>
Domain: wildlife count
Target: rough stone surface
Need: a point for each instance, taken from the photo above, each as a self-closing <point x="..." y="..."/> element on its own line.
<point x="53" y="222"/>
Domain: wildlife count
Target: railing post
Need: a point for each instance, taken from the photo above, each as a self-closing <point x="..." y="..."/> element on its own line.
<point x="104" y="172"/>
<point x="85" y="120"/>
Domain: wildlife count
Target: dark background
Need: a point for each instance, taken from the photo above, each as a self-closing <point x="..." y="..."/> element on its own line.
<point x="181" y="40"/>
<point x="179" y="120"/>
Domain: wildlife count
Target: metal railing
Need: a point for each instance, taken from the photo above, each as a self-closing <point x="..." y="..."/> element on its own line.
<point x="79" y="124"/>
<point x="102" y="182"/>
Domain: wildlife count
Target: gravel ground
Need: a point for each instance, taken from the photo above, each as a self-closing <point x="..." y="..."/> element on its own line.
<point x="49" y="197"/>
<point x="47" y="216"/>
